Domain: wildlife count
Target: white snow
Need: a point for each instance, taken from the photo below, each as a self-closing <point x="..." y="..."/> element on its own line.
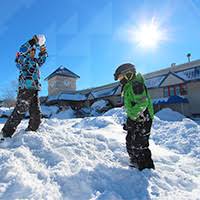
<point x="5" y="112"/>
<point x="190" y="74"/>
<point x="168" y="114"/>
<point x="86" y="159"/>
<point x="68" y="97"/>
<point x="98" y="105"/>
<point x="154" y="82"/>
<point x="66" y="114"/>
<point x="48" y="111"/>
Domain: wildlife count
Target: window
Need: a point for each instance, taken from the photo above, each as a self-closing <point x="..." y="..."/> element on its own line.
<point x="175" y="90"/>
<point x="166" y="92"/>
<point x="171" y="91"/>
<point x="178" y="90"/>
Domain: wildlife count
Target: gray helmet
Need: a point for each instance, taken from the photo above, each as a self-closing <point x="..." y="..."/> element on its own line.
<point x="124" y="69"/>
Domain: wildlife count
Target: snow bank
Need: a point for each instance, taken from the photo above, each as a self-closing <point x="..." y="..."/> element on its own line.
<point x="118" y="114"/>
<point x="168" y="114"/>
<point x="181" y="136"/>
<point x="87" y="159"/>
<point x="98" y="105"/>
<point x="67" y="114"/>
<point x="48" y="111"/>
<point x="5" y="112"/>
<point x="67" y="160"/>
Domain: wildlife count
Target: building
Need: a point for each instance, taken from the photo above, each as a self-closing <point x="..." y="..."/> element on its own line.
<point x="62" y="80"/>
<point x="176" y="87"/>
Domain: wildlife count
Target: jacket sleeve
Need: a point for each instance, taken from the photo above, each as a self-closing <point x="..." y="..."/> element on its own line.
<point x="42" y="58"/>
<point x="24" y="49"/>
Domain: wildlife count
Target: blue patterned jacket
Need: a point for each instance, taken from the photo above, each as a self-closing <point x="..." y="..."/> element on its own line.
<point x="29" y="68"/>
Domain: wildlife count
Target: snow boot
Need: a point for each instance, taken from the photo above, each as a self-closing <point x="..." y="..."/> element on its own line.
<point x="1" y="136"/>
<point x="147" y="164"/>
<point x="133" y="163"/>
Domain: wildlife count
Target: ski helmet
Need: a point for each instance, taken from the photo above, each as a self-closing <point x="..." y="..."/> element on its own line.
<point x="124" y="69"/>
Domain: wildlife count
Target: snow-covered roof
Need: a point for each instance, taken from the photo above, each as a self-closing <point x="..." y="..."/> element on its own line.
<point x="173" y="68"/>
<point x="154" y="82"/>
<point x="68" y="97"/>
<point x="62" y="71"/>
<point x="186" y="75"/>
<point x="72" y="97"/>
<point x="83" y="97"/>
<point x="190" y="74"/>
<point x="105" y="92"/>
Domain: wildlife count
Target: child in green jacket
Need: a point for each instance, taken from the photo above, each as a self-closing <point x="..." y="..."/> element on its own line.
<point x="139" y="108"/>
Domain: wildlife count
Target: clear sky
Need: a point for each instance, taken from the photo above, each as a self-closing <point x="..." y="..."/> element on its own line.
<point x="92" y="37"/>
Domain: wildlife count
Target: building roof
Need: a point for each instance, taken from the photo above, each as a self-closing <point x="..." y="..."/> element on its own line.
<point x="186" y="72"/>
<point x="173" y="68"/>
<point x="67" y="97"/>
<point x="62" y="71"/>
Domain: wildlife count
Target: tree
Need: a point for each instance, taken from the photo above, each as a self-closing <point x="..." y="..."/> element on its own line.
<point x="9" y="95"/>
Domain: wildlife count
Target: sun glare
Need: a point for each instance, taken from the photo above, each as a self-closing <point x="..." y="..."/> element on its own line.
<point x="148" y="35"/>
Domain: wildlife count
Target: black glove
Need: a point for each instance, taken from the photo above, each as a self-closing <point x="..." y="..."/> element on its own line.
<point x="125" y="127"/>
<point x="33" y="41"/>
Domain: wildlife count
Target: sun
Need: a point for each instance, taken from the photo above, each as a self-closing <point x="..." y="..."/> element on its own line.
<point x="148" y="35"/>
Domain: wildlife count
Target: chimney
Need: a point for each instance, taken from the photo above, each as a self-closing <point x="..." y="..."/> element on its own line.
<point x="189" y="56"/>
<point x="173" y="64"/>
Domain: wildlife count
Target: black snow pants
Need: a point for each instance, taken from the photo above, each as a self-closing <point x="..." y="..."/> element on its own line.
<point x="27" y="100"/>
<point x="137" y="141"/>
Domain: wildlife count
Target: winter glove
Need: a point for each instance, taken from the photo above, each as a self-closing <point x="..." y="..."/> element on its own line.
<point x="125" y="127"/>
<point x="33" y="41"/>
<point x="43" y="49"/>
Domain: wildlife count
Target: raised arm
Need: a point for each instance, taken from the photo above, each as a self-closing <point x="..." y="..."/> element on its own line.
<point x="25" y="48"/>
<point x="42" y="55"/>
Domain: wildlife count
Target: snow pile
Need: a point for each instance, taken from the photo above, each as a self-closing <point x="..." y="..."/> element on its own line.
<point x="48" y="111"/>
<point x="181" y="136"/>
<point x="87" y="159"/>
<point x="5" y="112"/>
<point x="98" y="107"/>
<point x="169" y="115"/>
<point x="66" y="114"/>
<point x="118" y="114"/>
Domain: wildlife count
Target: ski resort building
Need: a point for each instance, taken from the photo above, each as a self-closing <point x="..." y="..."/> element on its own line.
<point x="176" y="87"/>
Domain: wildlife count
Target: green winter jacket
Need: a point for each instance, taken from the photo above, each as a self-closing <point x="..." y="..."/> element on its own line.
<point x="136" y="98"/>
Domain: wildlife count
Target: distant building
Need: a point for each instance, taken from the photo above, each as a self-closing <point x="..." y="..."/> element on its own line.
<point x="177" y="87"/>
<point x="62" y="80"/>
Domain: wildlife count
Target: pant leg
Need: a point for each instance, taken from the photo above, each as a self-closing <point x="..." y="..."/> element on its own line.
<point x="34" y="111"/>
<point x="23" y="101"/>
<point x="137" y="141"/>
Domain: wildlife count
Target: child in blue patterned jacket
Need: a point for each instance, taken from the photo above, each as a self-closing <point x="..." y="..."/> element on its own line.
<point x="29" y="85"/>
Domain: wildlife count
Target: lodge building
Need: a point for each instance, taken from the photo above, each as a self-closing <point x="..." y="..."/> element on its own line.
<point x="176" y="87"/>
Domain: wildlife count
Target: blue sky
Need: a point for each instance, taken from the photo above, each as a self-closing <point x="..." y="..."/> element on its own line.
<point x="90" y="37"/>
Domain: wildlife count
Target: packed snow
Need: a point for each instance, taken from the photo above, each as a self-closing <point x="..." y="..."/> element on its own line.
<point x="5" y="112"/>
<point x="86" y="159"/>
